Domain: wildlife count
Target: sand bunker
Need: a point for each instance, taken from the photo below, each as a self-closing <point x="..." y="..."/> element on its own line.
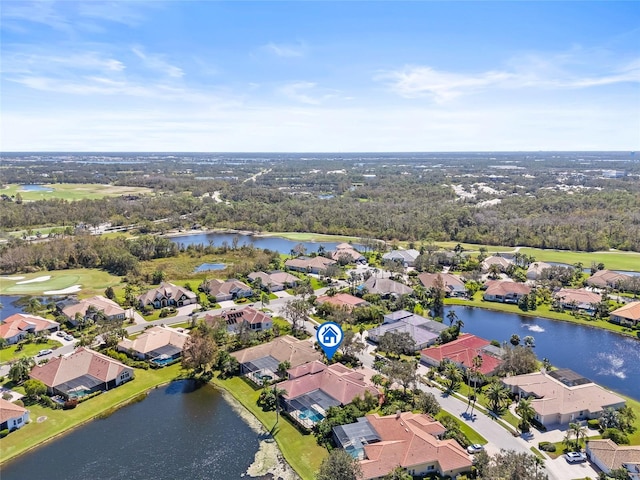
<point x="35" y="280"/>
<point x="11" y="278"/>
<point x="71" y="289"/>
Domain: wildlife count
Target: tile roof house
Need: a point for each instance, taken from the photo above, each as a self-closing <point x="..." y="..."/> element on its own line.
<point x="534" y="272"/>
<point x="16" y="327"/>
<point x="628" y="314"/>
<point x="159" y="342"/>
<point x="386" y="287"/>
<point x="577" y="299"/>
<point x="274" y="281"/>
<point x="562" y="396"/>
<point x="87" y="308"/>
<point x="453" y="285"/>
<point x="505" y="291"/>
<point x="424" y="331"/>
<point x="608" y="455"/>
<point x="342" y="300"/>
<point x="315" y="265"/>
<point x="12" y="416"/>
<point x="462" y="351"/>
<point x="309" y="394"/>
<point x="284" y="278"/>
<point x="226" y="290"/>
<point x="502" y="262"/>
<point x="406" y="257"/>
<point x="348" y="253"/>
<point x="408" y="440"/>
<point x="262" y="360"/>
<point x="607" y="278"/>
<point x="167" y="294"/>
<point x="80" y="373"/>
<point x="253" y="319"/>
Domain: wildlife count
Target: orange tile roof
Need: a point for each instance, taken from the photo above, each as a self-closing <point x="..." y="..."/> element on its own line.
<point x="341" y="299"/>
<point x="20" y="322"/>
<point x="109" y="307"/>
<point x="462" y="351"/>
<point x="630" y="311"/>
<point x="578" y="295"/>
<point x="10" y="410"/>
<point x="285" y="348"/>
<point x="505" y="287"/>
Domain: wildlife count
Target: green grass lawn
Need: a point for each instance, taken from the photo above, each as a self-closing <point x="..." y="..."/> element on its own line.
<point x="301" y="451"/>
<point x="471" y="434"/>
<point x="75" y="191"/>
<point x="59" y="421"/>
<point x="29" y="350"/>
<point x="543" y="311"/>
<point x="92" y="281"/>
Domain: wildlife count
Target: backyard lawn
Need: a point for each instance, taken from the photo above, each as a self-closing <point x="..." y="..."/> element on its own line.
<point x="29" y="350"/>
<point x="59" y="421"/>
<point x="301" y="451"/>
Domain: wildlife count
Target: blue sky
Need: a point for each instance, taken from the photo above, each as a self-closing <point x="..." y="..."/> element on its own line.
<point x="319" y="76"/>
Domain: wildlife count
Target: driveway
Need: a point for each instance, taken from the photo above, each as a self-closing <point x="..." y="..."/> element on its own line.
<point x="565" y="470"/>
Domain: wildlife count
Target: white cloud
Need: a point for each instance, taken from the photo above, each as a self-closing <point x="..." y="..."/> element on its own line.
<point x="300" y="92"/>
<point x="285" y="50"/>
<point x="157" y="62"/>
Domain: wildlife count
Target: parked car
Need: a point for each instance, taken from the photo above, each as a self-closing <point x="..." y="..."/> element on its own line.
<point x="575" y="457"/>
<point x="46" y="351"/>
<point x="60" y="333"/>
<point x="475" y="448"/>
<point x="68" y="338"/>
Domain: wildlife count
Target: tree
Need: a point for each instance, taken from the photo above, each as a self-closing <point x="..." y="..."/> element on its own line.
<point x="109" y="293"/>
<point x="497" y="396"/>
<point x="515" y="340"/>
<point x="474" y="373"/>
<point x="529" y="341"/>
<point x="398" y="473"/>
<point x="427" y="403"/>
<point x="296" y="311"/>
<point x="526" y="412"/>
<point x="578" y="431"/>
<point x="453" y="374"/>
<point x="402" y="372"/>
<point x="282" y="368"/>
<point x="34" y="389"/>
<point x="227" y="364"/>
<point x="351" y="345"/>
<point x="452" y="317"/>
<point x="615" y="474"/>
<point x="264" y="298"/>
<point x="339" y="465"/>
<point x="397" y="343"/>
<point x="517" y="360"/>
<point x="21" y="368"/>
<point x="199" y="352"/>
<point x="437" y="296"/>
<point x="509" y="464"/>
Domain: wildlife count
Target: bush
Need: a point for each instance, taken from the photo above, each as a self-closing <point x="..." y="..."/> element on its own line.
<point x="20" y="403"/>
<point x="4" y="433"/>
<point x="593" y="424"/>
<point x="6" y="396"/>
<point x="70" y="404"/>
<point x="616" y="435"/>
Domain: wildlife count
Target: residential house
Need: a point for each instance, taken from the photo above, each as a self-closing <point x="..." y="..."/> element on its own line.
<point x="248" y="318"/>
<point x="453" y="285"/>
<point x="317" y="265"/>
<point x="577" y="299"/>
<point x="226" y="290"/>
<point x="158" y="344"/>
<point x="462" y="351"/>
<point x="502" y="263"/>
<point x="16" y="327"/>
<point x="265" y="282"/>
<point x="167" y="295"/>
<point x="405" y="257"/>
<point x="345" y="253"/>
<point x="505" y="291"/>
<point x="386" y="287"/>
<point x="261" y="362"/>
<point x="412" y="441"/>
<point x="274" y="281"/>
<point x="284" y="278"/>
<point x="342" y="300"/>
<point x="12" y="416"/>
<point x="88" y="309"/>
<point x="312" y="389"/>
<point x="628" y="314"/>
<point x="534" y="272"/>
<point x="423" y="331"/>
<point x="608" y="279"/>
<point x="82" y="372"/>
<point x="563" y="396"/>
<point x="608" y="455"/>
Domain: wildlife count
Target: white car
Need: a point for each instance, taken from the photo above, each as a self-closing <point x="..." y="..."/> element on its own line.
<point x="46" y="351"/>
<point x="475" y="448"/>
<point x="575" y="457"/>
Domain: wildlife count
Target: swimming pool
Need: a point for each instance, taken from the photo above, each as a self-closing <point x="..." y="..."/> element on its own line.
<point x="311" y="415"/>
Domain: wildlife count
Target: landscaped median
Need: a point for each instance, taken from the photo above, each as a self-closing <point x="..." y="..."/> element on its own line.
<point x="61" y="421"/>
<point x="301" y="451"/>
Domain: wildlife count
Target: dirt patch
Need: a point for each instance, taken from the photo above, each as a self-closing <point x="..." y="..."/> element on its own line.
<point x="41" y="419"/>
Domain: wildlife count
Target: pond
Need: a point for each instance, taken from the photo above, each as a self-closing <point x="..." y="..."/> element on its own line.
<point x="35" y="188"/>
<point x="210" y="266"/>
<point x="177" y="432"/>
<point x="276" y="244"/>
<point x="8" y="307"/>
<point x="608" y="359"/>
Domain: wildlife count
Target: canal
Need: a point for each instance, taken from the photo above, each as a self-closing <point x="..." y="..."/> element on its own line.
<point x="608" y="359"/>
<point x="177" y="432"/>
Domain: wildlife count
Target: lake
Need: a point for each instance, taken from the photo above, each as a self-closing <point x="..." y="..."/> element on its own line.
<point x="8" y="308"/>
<point x="210" y="266"/>
<point x="608" y="359"/>
<point x="177" y="432"/>
<point x="277" y="244"/>
<point x="35" y="188"/>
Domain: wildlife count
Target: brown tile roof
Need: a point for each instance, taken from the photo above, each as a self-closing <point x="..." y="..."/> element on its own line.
<point x="109" y="307"/>
<point x="613" y="455"/>
<point x="20" y="322"/>
<point x="429" y="279"/>
<point x="346" y="250"/>
<point x="505" y="287"/>
<point x="83" y="361"/>
<point x="495" y="260"/>
<point x="605" y="278"/>
<point x="630" y="311"/>
<point x="166" y="290"/>
<point x="217" y="287"/>
<point x="385" y="286"/>
<point x="285" y="348"/>
<point x="341" y="300"/>
<point x="284" y="278"/>
<point x="247" y="314"/>
<point x="339" y="382"/>
<point x="10" y="410"/>
<point x="154" y="338"/>
<point x="306" y="369"/>
<point x="408" y="440"/>
<point x="554" y="397"/>
<point x="318" y="262"/>
<point x="578" y="295"/>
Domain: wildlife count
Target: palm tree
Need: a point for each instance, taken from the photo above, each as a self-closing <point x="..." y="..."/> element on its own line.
<point x="529" y="341"/>
<point x="579" y="431"/>
<point x="497" y="396"/>
<point x="264" y="298"/>
<point x="476" y="364"/>
<point x="20" y="369"/>
<point x="453" y="374"/>
<point x="452" y="317"/>
<point x="526" y="412"/>
<point x="515" y="339"/>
